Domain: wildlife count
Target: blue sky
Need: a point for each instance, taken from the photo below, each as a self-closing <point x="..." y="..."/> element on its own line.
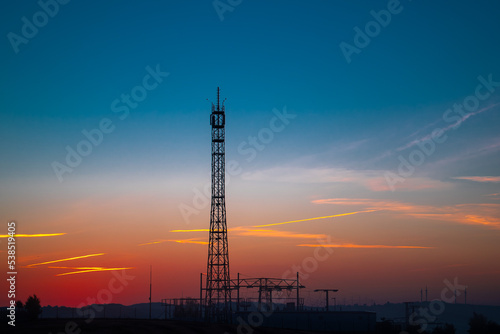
<point x="263" y="55"/>
<point x="352" y="120"/>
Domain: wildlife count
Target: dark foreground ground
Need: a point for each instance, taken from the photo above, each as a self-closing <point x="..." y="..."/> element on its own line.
<point x="118" y="326"/>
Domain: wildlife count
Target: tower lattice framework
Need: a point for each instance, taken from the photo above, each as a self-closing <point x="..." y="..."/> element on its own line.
<point x="218" y="292"/>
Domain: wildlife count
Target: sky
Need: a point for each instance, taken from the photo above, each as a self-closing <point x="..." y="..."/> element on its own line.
<point x="378" y="118"/>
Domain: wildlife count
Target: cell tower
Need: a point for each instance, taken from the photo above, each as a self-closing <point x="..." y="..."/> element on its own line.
<point x="218" y="292"/>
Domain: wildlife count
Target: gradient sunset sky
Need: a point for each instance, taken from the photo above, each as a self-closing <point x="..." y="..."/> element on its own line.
<point x="405" y="182"/>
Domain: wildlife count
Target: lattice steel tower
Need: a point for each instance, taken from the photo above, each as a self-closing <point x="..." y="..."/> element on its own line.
<point x="218" y="292"/>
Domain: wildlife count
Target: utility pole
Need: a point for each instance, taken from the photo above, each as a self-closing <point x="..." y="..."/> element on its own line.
<point x="150" y="288"/>
<point x="201" y="296"/>
<point x="238" y="294"/>
<point x="326" y="295"/>
<point x="298" y="290"/>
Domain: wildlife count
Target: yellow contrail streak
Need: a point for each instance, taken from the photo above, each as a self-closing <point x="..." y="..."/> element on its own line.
<point x="67" y="259"/>
<point x="152" y="242"/>
<point x="32" y="235"/>
<point x="303" y="220"/>
<point x="187" y="241"/>
<point x="92" y="270"/>
<point x="182" y="241"/>
<point x="361" y="246"/>
<point x="79" y="268"/>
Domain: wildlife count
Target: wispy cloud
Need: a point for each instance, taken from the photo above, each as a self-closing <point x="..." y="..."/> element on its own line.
<point x="81" y="270"/>
<point x="277" y="234"/>
<point x="362" y="246"/>
<point x="32" y="235"/>
<point x="379" y="184"/>
<point x="495" y="196"/>
<point x="418" y="138"/>
<point x="494" y="179"/>
<point x="253" y="232"/>
<point x="476" y="151"/>
<point x="445" y="129"/>
<point x="181" y="241"/>
<point x="190" y="241"/>
<point x="264" y="232"/>
<point x="374" y="180"/>
<point x="306" y="175"/>
<point x="482" y="220"/>
<point x="77" y="270"/>
<point x="153" y="242"/>
<point x="315" y="218"/>
<point x="65" y="259"/>
<point x="372" y="204"/>
<point x="425" y="127"/>
<point x="195" y="230"/>
<point x="485" y="214"/>
<point x="350" y="146"/>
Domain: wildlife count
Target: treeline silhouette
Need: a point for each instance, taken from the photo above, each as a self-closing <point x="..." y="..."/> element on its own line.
<point x="30" y="310"/>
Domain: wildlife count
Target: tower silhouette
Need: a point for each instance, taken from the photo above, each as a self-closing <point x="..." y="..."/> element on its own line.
<point x="218" y="292"/>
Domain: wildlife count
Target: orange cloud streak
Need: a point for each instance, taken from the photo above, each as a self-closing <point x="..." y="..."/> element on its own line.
<point x="153" y="242"/>
<point x="32" y="235"/>
<point x="87" y="270"/>
<point x="372" y="204"/>
<point x="361" y="246"/>
<point x="249" y="232"/>
<point x="67" y="259"/>
<point x="181" y="241"/>
<point x="307" y="219"/>
<point x="278" y="234"/>
<point x="479" y="178"/>
<point x="190" y="241"/>
<point x="79" y="268"/>
<point x="482" y="220"/>
<point x="196" y="230"/>
<point x="485" y="214"/>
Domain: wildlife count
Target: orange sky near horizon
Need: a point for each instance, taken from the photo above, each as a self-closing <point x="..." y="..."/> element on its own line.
<point x="370" y="260"/>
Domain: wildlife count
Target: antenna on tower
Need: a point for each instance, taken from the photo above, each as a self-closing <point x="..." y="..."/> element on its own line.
<point x="426" y="293"/>
<point x="218" y="98"/>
